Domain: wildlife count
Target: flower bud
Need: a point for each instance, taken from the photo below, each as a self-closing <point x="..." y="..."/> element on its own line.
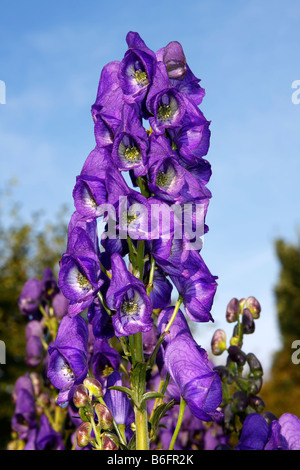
<point x="222" y="372"/>
<point x="237" y="355"/>
<point x="269" y="417"/>
<point x="105" y="417"/>
<point x="254" y="306"/>
<point x="110" y="441"/>
<point x="94" y="386"/>
<point x="254" y="364"/>
<point x="254" y="385"/>
<point x="218" y="342"/>
<point x="240" y="401"/>
<point x="80" y="397"/>
<point x="232" y="311"/>
<point x="83" y="434"/>
<point x="248" y="324"/>
<point x="257" y="403"/>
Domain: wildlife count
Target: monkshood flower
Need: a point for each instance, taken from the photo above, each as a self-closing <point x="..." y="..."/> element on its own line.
<point x="68" y="364"/>
<point x="134" y="216"/>
<point x="179" y="72"/>
<point x="136" y="69"/>
<point x="188" y="366"/>
<point x="128" y="297"/>
<point x="168" y="179"/>
<point x="24" y="418"/>
<point x="108" y="103"/>
<point x="30" y="298"/>
<point x="100" y="321"/>
<point x="60" y="305"/>
<point x="50" y="287"/>
<point x="34" y="347"/>
<point x="281" y="434"/>
<point x="164" y="102"/>
<point x="160" y="295"/>
<point x="117" y="402"/>
<point x="130" y="145"/>
<point x="197" y="292"/>
<point x="105" y="360"/>
<point x="47" y="438"/>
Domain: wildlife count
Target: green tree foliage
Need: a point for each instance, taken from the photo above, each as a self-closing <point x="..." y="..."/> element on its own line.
<point x="26" y="249"/>
<point x="282" y="391"/>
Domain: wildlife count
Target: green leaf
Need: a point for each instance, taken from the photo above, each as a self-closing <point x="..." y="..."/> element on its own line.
<point x="158" y="414"/>
<point x="122" y="389"/>
<point x="151" y="395"/>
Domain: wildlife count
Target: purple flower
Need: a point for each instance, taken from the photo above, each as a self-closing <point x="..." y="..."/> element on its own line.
<point x="47" y="438"/>
<point x="160" y="296"/>
<point x="130" y="145"/>
<point x="60" y="305"/>
<point x="24" y="418"/>
<point x="100" y="321"/>
<point x="254" y="434"/>
<point x="34" y="346"/>
<point x="50" y="287"/>
<point x="197" y="292"/>
<point x="179" y="72"/>
<point x="290" y="430"/>
<point x="136" y="69"/>
<point x="127" y="295"/>
<point x="31" y="297"/>
<point x="68" y="364"/>
<point x="105" y="360"/>
<point x="165" y="103"/>
<point x="118" y="402"/>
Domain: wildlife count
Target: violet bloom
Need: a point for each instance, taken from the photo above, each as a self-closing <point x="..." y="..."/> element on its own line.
<point x="254" y="434"/>
<point x="105" y="360"/>
<point x="31" y="298"/>
<point x="191" y="371"/>
<point x="24" y="418"/>
<point x="160" y="295"/>
<point x="60" y="305"/>
<point x="197" y="292"/>
<point x="117" y="402"/>
<point x="127" y="295"/>
<point x="50" y="287"/>
<point x="47" y="438"/>
<point x="100" y="321"/>
<point x="34" y="347"/>
<point x="165" y="103"/>
<point x="284" y="433"/>
<point x="130" y="146"/>
<point x="68" y="361"/>
<point x="136" y="69"/>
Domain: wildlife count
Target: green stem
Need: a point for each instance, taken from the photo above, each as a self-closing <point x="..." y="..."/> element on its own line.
<point x="140" y="258"/>
<point x="131" y="344"/>
<point x="151" y="275"/>
<point x="141" y="415"/>
<point x="103" y="302"/>
<point x="97" y="434"/>
<point x="176" y="308"/>
<point x="179" y="423"/>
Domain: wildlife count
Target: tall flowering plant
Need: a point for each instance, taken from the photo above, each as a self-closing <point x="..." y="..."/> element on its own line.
<point x="120" y="366"/>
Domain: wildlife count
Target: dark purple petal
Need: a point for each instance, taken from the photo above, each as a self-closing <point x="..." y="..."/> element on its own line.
<point x="254" y="433"/>
<point x="47" y="438"/>
<point x="118" y="402"/>
<point x="31" y="297"/>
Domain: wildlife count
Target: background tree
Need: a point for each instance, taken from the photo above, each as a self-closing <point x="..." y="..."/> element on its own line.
<point x="282" y="392"/>
<point x="26" y="249"/>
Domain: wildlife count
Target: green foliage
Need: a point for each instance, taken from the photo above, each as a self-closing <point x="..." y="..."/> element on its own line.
<point x="282" y="391"/>
<point x="26" y="249"/>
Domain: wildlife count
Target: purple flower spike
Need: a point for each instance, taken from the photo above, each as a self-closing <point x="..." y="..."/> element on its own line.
<point x="68" y="364"/>
<point x="290" y="430"/>
<point x="136" y="69"/>
<point x="127" y="295"/>
<point x="105" y="360"/>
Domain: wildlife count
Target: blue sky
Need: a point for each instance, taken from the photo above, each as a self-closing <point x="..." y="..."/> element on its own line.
<point x="247" y="56"/>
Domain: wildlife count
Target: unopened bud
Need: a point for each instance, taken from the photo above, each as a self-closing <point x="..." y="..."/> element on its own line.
<point x="222" y="372"/>
<point x="248" y="324"/>
<point x="254" y="385"/>
<point x="254" y="364"/>
<point x="254" y="306"/>
<point x="86" y="413"/>
<point x="105" y="417"/>
<point x="237" y="355"/>
<point x="232" y="311"/>
<point x="269" y="417"/>
<point x="218" y="342"/>
<point x="240" y="401"/>
<point x="83" y="434"/>
<point x="257" y="403"/>
<point x="110" y="441"/>
<point x="94" y="386"/>
<point x="80" y="397"/>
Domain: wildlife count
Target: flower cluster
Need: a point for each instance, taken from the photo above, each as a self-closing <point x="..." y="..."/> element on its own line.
<point x="121" y="369"/>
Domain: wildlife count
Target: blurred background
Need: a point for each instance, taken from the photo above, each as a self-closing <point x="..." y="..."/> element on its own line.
<point x="247" y="56"/>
